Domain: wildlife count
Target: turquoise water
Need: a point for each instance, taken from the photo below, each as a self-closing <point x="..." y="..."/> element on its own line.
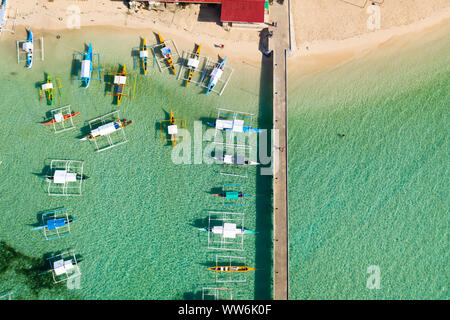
<point x="379" y="195"/>
<point x="137" y="218"/>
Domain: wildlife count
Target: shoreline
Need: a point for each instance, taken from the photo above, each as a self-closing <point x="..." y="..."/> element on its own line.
<point x="370" y="39"/>
<point x="186" y="29"/>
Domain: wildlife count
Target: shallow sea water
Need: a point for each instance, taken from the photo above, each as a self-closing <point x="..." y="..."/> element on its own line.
<point x="137" y="218"/>
<point x="379" y="195"/>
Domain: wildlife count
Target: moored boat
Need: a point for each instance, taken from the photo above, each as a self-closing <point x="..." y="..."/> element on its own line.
<point x="107" y="129"/>
<point x="215" y="76"/>
<point x="118" y="90"/>
<point x="235" y="160"/>
<point x="143" y="56"/>
<point x="193" y="64"/>
<point x="65" y="117"/>
<point x="231" y="269"/>
<point x="86" y="67"/>
<point x="28" y="47"/>
<point x="167" y="53"/>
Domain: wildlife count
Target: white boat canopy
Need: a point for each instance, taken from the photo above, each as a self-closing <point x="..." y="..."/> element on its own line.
<point x="61" y="267"/>
<point x="193" y="63"/>
<point x="104" y="129"/>
<point x="143" y="54"/>
<point x="27" y="46"/>
<point x="47" y="86"/>
<point x="62" y="176"/>
<point x="173" y="129"/>
<point x="85" y="68"/>
<point x="58" y="117"/>
<point x="120" y="79"/>
<point x="228" y="230"/>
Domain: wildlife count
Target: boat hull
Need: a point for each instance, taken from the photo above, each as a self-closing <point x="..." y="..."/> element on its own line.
<point x="30" y="54"/>
<point x="67" y="116"/>
<point x="231" y="269"/>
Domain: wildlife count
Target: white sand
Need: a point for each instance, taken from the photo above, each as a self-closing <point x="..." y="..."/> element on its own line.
<point x="337" y="28"/>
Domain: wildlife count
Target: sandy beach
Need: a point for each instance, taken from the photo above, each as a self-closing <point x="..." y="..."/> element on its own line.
<point x="311" y="20"/>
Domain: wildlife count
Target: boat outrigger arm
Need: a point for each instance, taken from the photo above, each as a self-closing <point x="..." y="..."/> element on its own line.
<point x="107" y="129"/>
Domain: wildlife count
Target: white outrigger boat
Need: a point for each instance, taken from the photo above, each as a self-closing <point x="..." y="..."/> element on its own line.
<point x="236" y="160"/>
<point x="106" y="129"/>
<point x="28" y="47"/>
<point x="215" y="76"/>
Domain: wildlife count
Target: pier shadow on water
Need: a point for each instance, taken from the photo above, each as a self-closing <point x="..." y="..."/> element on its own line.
<point x="264" y="206"/>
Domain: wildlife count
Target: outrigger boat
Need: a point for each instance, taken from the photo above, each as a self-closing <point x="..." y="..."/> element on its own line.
<point x="65" y="117"/>
<point x="87" y="67"/>
<point x="120" y="84"/>
<point x="2" y="13"/>
<point x="107" y="129"/>
<point x="55" y="224"/>
<point x="47" y="87"/>
<point x="215" y="76"/>
<point x="167" y="53"/>
<point x="228" y="125"/>
<point x="143" y="56"/>
<point x="235" y="160"/>
<point x="63" y="266"/>
<point x="231" y="269"/>
<point x="193" y="64"/>
<point x="28" y="47"/>
<point x="62" y="176"/>
<point x="220" y="229"/>
<point x="172" y="128"/>
<point x="231" y="195"/>
<point x="120" y="80"/>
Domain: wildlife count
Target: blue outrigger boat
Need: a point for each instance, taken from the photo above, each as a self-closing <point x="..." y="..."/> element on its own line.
<point x="28" y="47"/>
<point x="245" y="128"/>
<point x="86" y="67"/>
<point x="2" y="14"/>
<point x="55" y="224"/>
<point x="215" y="76"/>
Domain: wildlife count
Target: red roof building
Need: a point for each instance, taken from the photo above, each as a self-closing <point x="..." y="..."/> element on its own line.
<point x="251" y="11"/>
<point x="242" y="11"/>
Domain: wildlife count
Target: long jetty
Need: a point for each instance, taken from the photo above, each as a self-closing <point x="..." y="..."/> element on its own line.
<point x="280" y="14"/>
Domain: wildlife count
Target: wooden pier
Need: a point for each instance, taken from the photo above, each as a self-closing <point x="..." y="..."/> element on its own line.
<point x="279" y="13"/>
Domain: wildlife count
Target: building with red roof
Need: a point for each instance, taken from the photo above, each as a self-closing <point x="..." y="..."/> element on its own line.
<point x="250" y="11"/>
<point x="240" y="11"/>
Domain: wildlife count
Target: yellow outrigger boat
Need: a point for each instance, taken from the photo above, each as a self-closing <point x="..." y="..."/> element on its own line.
<point x="167" y="54"/>
<point x="144" y="56"/>
<point x="231" y="269"/>
<point x="119" y="83"/>
<point x="193" y="64"/>
<point x="172" y="129"/>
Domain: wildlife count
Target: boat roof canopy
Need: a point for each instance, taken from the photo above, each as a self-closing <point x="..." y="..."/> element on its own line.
<point x="120" y="79"/>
